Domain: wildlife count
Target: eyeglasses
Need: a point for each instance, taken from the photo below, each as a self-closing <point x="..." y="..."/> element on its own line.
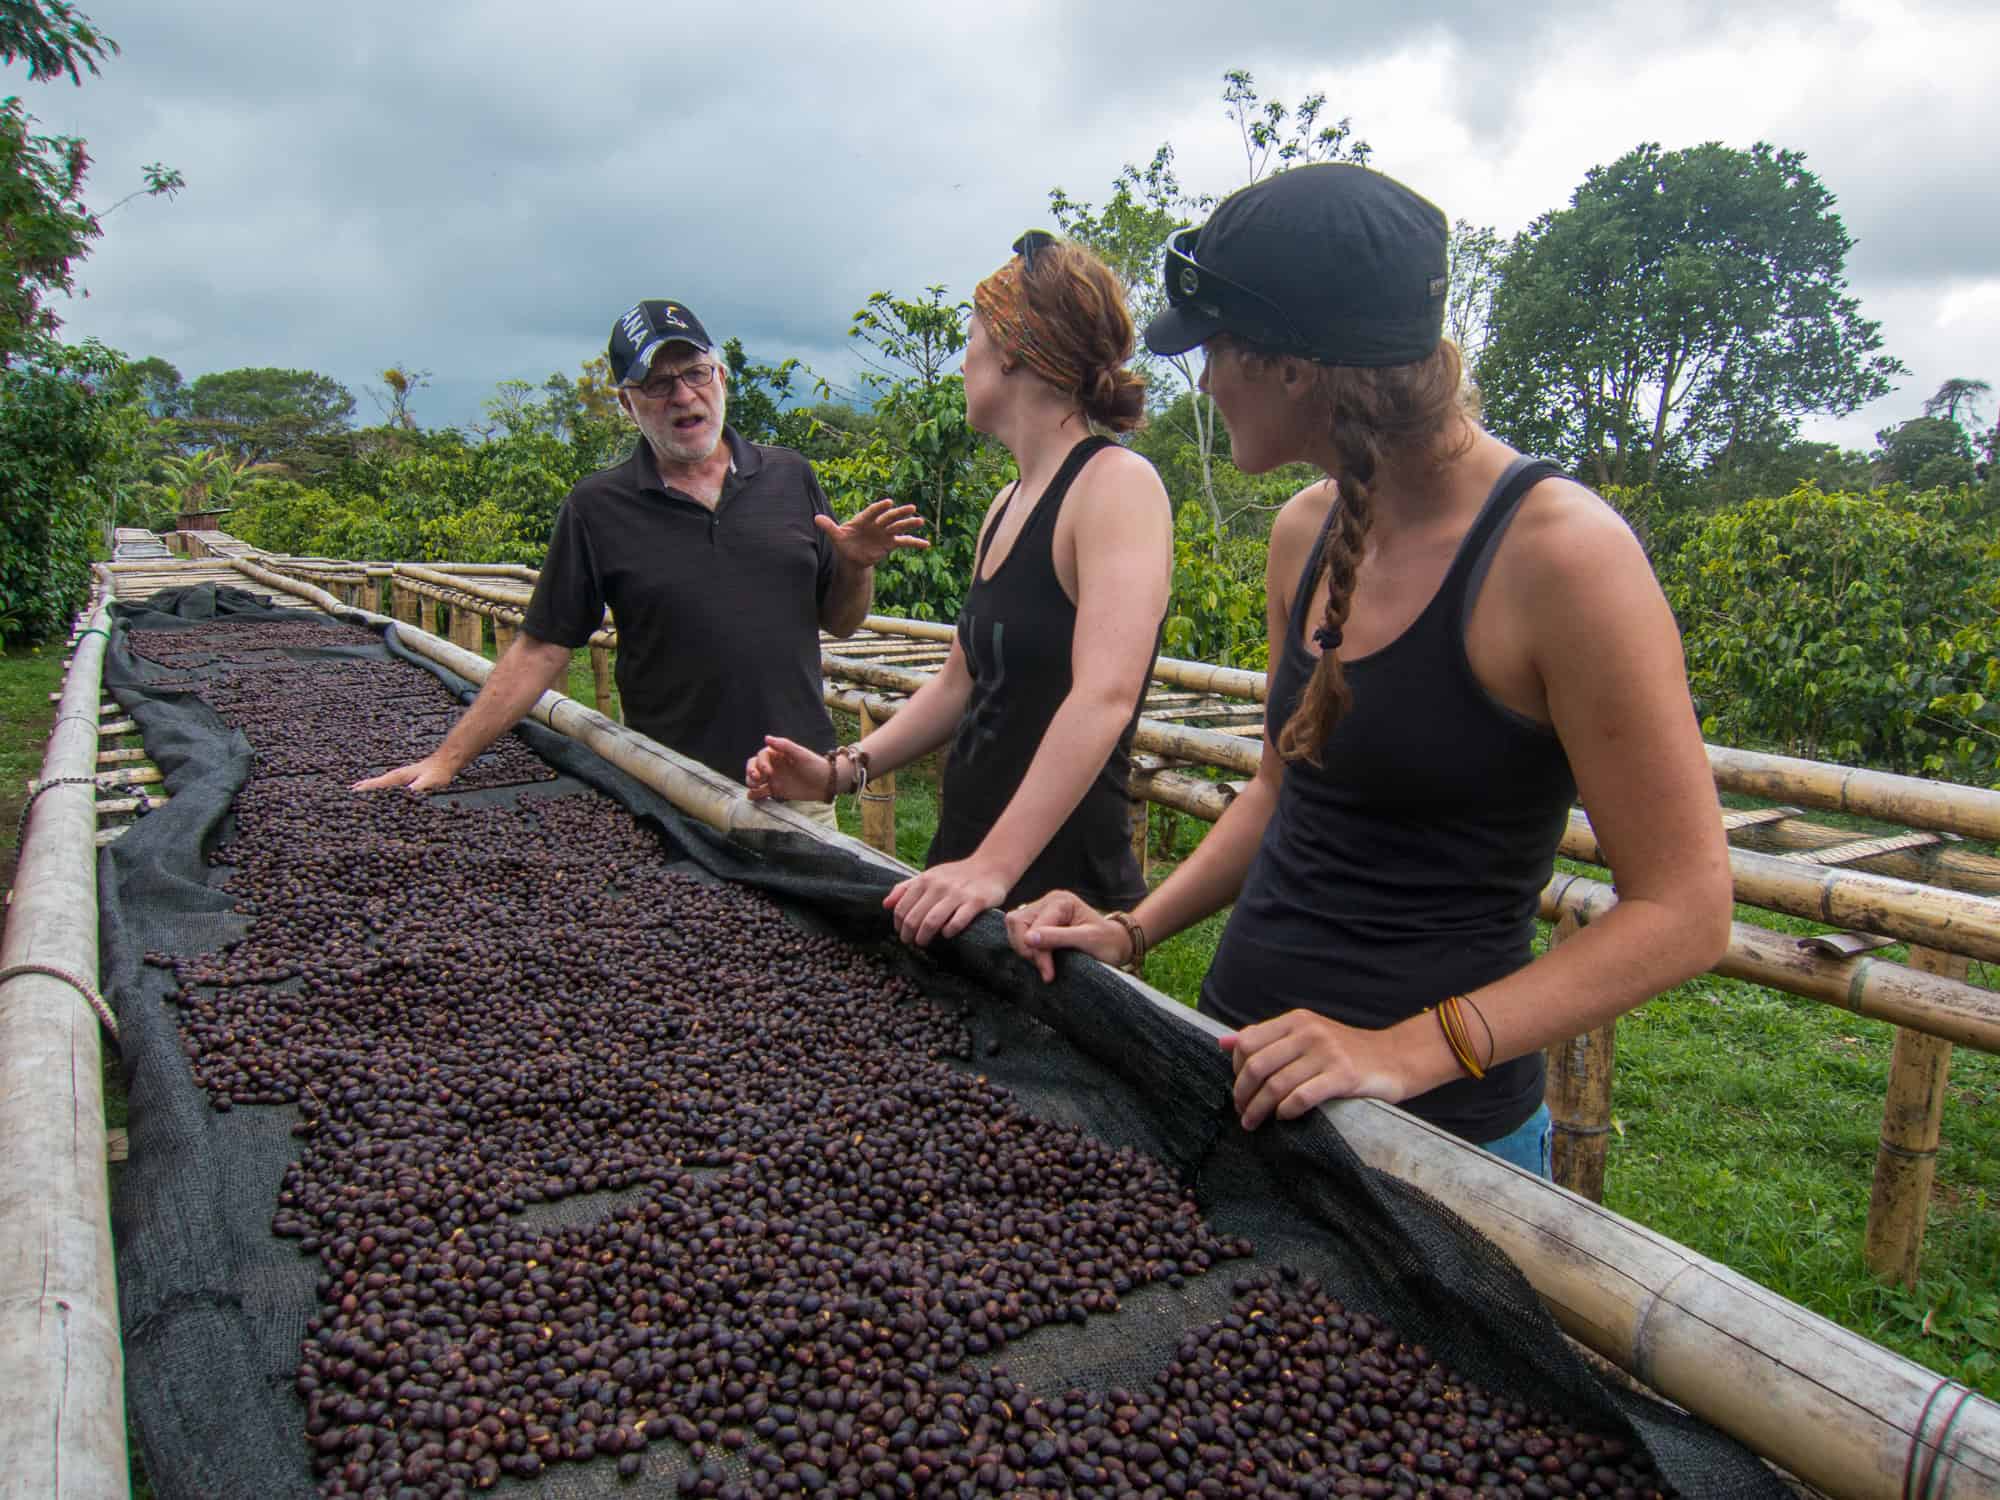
<point x="659" y="387"/>
<point x="1251" y="314"/>
<point x="1031" y="244"/>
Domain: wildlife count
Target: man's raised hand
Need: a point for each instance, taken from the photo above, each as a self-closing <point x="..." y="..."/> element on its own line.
<point x="875" y="531"/>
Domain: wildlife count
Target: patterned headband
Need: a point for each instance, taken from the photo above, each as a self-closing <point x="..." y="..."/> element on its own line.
<point x="1001" y="299"/>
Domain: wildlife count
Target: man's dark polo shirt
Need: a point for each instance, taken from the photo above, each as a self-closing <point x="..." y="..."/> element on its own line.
<point x="717" y="611"/>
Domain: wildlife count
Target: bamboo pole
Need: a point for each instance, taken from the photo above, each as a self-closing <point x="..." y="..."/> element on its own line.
<point x="1845" y="1415"/>
<point x="1954" y="920"/>
<point x="1912" y="1125"/>
<point x="62" y="1379"/>
<point x="1908" y="800"/>
<point x="466" y="627"/>
<point x="1875" y="987"/>
<point x="1831" y="1407"/>
<point x="1579" y="1096"/>
<point x="1140" y="817"/>
<point x="878" y="798"/>
<point x="1230" y="682"/>
<point x="503" y="637"/>
<point x="408" y="604"/>
<point x="1946" y="864"/>
<point x="1175" y="740"/>
<point x="495" y="604"/>
<point x="600" y="678"/>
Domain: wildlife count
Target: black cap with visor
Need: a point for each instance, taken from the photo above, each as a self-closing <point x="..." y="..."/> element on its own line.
<point x="1332" y="263"/>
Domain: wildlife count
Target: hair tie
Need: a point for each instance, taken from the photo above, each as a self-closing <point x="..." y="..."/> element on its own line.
<point x="1327" y="638"/>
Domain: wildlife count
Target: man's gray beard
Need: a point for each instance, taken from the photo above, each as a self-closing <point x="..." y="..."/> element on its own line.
<point x="666" y="443"/>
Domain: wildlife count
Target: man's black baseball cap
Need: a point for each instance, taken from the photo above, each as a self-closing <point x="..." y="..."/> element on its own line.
<point x="647" y="329"/>
<point x="1332" y="262"/>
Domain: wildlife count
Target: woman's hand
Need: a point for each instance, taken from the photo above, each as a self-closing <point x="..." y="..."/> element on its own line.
<point x="785" y="772"/>
<point x="875" y="531"/>
<point x="943" y="901"/>
<point x="1299" y="1060"/>
<point x="1060" y="919"/>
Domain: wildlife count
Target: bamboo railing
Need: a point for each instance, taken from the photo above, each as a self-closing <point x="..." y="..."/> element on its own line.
<point x="62" y="1390"/>
<point x="1843" y="1414"/>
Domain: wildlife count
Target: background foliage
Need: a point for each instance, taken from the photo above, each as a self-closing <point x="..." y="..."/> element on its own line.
<point x="1663" y="334"/>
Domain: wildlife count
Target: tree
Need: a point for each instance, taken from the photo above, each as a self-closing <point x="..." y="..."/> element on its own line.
<point x="157" y="386"/>
<point x="261" y="414"/>
<point x="44" y="226"/>
<point x="54" y="410"/>
<point x="1472" y="268"/>
<point x="1148" y="204"/>
<point x="399" y="383"/>
<point x="1926" y="453"/>
<point x="760" y="395"/>
<point x="207" y="479"/>
<point x="54" y="37"/>
<point x="1261" y="123"/>
<point x="1127" y="234"/>
<point x="1956" y="393"/>
<point x="1685" y="301"/>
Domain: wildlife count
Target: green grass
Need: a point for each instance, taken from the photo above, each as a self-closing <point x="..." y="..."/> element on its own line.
<point x="28" y="674"/>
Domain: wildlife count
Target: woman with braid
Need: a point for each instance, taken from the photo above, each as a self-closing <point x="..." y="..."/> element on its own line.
<point x="1462" y="642"/>
<point x="1040" y="695"/>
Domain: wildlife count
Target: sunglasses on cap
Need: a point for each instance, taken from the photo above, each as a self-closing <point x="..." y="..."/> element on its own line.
<point x="1243" y="311"/>
<point x="1031" y="244"/>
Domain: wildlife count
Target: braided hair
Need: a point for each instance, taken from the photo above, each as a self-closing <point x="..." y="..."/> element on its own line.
<point x="1375" y="415"/>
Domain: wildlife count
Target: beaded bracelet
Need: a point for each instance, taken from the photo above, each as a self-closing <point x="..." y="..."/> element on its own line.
<point x="1136" y="964"/>
<point x="859" y="759"/>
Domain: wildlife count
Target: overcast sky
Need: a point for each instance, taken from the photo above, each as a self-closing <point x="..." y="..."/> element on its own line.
<point x="478" y="187"/>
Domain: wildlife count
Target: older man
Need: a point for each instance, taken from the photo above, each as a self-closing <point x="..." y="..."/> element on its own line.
<point x="720" y="562"/>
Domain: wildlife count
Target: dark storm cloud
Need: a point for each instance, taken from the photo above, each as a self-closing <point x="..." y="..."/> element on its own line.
<point x="478" y="188"/>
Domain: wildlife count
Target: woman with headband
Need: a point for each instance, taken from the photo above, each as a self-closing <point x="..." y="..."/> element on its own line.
<point x="1462" y="641"/>
<point x="1040" y="695"/>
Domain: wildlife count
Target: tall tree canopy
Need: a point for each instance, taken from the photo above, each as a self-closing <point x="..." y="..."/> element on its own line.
<point x="1684" y="302"/>
<point x="259" y="414"/>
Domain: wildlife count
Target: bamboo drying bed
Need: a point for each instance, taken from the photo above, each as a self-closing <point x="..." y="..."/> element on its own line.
<point x="1831" y="1407"/>
<point x="1917" y="887"/>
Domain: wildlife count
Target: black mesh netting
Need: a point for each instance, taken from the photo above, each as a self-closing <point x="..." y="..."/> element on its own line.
<point x="216" y="1306"/>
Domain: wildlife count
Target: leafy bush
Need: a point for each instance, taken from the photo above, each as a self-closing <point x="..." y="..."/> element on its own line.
<point x="1216" y="612"/>
<point x="54" y="426"/>
<point x="1856" y="628"/>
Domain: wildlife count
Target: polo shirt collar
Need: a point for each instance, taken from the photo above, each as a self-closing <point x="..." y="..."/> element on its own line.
<point x="745" y="459"/>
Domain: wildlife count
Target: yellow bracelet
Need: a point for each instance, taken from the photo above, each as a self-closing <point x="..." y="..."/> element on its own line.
<point x="1451" y="1021"/>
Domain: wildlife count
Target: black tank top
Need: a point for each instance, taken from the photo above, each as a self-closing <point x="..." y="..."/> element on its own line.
<point x="1408" y="866"/>
<point x="1016" y="630"/>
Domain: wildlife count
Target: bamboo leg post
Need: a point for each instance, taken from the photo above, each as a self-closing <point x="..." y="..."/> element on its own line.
<point x="878" y="800"/>
<point x="503" y="637"/>
<point x="1141" y="819"/>
<point x="1579" y="1094"/>
<point x="1912" y="1122"/>
<point x="600" y="679"/>
<point x="466" y="629"/>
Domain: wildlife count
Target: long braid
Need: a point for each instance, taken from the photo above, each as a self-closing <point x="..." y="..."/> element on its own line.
<point x="1326" y="697"/>
<point x="1372" y="413"/>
